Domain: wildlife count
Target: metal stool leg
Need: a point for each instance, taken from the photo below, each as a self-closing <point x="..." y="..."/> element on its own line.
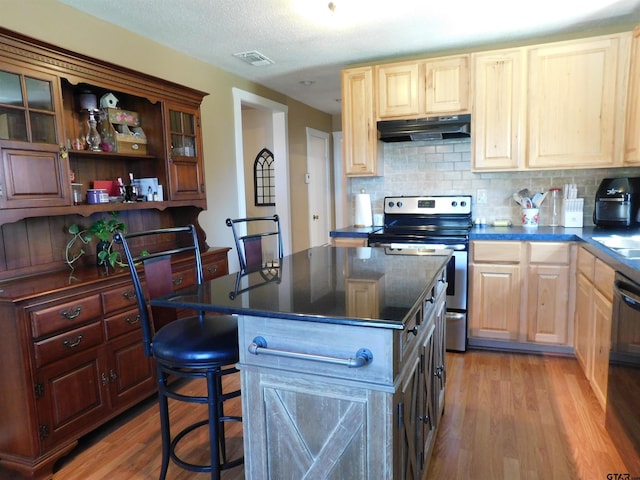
<point x="165" y="428"/>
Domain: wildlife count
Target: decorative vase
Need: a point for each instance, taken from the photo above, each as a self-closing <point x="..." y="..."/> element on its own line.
<point x="102" y="246"/>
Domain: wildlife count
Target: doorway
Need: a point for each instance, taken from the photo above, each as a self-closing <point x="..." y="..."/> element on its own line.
<point x="277" y="137"/>
<point x="318" y="180"/>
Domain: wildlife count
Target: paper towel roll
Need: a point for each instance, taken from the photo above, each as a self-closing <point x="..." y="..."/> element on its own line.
<point x="363" y="210"/>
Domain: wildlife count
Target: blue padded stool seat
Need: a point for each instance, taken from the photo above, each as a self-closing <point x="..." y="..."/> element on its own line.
<point x="197" y="343"/>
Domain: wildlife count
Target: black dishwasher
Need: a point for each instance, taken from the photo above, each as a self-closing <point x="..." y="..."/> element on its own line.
<point x="623" y="390"/>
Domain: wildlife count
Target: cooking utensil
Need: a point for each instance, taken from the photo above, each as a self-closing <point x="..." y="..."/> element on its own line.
<point x="527" y="203"/>
<point x="518" y="198"/>
<point x="538" y="198"/>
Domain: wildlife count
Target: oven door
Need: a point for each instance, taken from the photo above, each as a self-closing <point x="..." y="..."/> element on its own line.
<point x="456" y="268"/>
<point x="623" y="385"/>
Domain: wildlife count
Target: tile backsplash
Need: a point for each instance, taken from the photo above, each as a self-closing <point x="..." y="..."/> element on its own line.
<point x="443" y="167"/>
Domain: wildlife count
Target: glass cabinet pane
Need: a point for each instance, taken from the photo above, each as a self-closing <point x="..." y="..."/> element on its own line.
<point x="12" y="124"/>
<point x="39" y="94"/>
<point x="27" y="111"/>
<point x="43" y="128"/>
<point x="183" y="131"/>
<point x="10" y="91"/>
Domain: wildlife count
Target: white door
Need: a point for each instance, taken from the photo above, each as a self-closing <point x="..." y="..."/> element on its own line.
<point x="319" y="191"/>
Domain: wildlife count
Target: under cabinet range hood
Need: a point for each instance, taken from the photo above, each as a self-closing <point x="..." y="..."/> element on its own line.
<point x="429" y="128"/>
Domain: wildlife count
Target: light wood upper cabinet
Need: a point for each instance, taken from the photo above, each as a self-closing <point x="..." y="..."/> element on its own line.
<point x="423" y="88"/>
<point x="498" y="136"/>
<point x="632" y="134"/>
<point x="400" y="87"/>
<point x="576" y="103"/>
<point x="447" y="85"/>
<point x="359" y="141"/>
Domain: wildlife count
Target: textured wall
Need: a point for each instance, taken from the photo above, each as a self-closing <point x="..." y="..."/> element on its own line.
<point x="444" y="167"/>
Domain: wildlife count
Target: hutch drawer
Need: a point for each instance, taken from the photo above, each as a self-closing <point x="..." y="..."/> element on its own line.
<point x="122" y="323"/>
<point x="64" y="316"/>
<point x="68" y="343"/>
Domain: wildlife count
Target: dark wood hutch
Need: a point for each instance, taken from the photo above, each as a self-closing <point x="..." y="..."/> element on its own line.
<point x="70" y="348"/>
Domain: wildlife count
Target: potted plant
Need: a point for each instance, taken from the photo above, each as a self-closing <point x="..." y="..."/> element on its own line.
<point x="102" y="229"/>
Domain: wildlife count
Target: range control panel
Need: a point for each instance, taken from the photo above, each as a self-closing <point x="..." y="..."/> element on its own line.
<point x="432" y="205"/>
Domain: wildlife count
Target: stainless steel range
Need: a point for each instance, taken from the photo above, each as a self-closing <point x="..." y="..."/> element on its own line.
<point x="434" y="222"/>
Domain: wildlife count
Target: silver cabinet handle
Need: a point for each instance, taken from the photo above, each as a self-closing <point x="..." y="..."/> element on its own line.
<point x="362" y="357"/>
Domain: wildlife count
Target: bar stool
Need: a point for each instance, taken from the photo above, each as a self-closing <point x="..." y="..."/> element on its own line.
<point x="252" y="243"/>
<point x="195" y="347"/>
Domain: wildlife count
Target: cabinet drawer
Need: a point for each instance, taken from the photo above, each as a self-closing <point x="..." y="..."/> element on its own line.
<point x="184" y="278"/>
<point x="586" y="263"/>
<point x="550" y="252"/>
<point x="119" y="298"/>
<point x="122" y="323"/>
<point x="214" y="269"/>
<point x="68" y="343"/>
<point x="484" y="251"/>
<point x="603" y="277"/>
<point x="410" y="332"/>
<point x="65" y="316"/>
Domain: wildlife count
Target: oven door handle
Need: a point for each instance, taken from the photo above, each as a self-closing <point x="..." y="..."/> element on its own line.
<point x="629" y="297"/>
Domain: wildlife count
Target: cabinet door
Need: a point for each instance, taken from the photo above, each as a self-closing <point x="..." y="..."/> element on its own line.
<point x="447" y="85"/>
<point x="632" y="135"/>
<point x="399" y="90"/>
<point x="602" y="309"/>
<point x="573" y="102"/>
<point x="411" y="422"/>
<point x="498" y="133"/>
<point x="34" y="172"/>
<point x="495" y="301"/>
<point x="438" y="373"/>
<point x="303" y="429"/>
<point x="70" y="396"/>
<point x="130" y="372"/>
<point x="584" y="324"/>
<point x="359" y="129"/>
<point x="363" y="298"/>
<point x="548" y="303"/>
<point x="186" y="170"/>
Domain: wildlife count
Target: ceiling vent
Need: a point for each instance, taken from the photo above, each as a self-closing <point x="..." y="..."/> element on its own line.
<point x="254" y="58"/>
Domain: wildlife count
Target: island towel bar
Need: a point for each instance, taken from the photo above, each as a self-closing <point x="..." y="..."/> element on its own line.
<point x="362" y="357"/>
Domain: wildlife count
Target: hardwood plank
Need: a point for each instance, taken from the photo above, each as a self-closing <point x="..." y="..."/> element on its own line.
<point x="507" y="416"/>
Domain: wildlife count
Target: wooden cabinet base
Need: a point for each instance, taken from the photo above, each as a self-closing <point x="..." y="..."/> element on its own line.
<point x="40" y="468"/>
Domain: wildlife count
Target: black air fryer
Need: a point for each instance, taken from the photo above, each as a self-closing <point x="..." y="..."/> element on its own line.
<point x="617" y="203"/>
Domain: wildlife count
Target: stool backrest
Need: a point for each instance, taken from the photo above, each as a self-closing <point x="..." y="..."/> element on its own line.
<point x="251" y="241"/>
<point x="157" y="248"/>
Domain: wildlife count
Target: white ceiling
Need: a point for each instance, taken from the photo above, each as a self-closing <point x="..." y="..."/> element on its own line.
<point x="307" y="42"/>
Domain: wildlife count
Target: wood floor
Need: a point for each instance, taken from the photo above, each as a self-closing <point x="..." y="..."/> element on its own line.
<point x="507" y="416"/>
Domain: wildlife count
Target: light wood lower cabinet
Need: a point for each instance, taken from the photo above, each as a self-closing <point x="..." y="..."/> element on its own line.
<point x="310" y="419"/>
<point x="521" y="293"/>
<point x="593" y="315"/>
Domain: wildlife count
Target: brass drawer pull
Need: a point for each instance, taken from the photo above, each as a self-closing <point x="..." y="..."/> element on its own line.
<point x="133" y="321"/>
<point x="178" y="281"/>
<point x="212" y="269"/>
<point x="71" y="314"/>
<point x="73" y="343"/>
<point x="129" y="294"/>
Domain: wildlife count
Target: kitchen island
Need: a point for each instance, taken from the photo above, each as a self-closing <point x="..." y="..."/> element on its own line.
<point x="341" y="360"/>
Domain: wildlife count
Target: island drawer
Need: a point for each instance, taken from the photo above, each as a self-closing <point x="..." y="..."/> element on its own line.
<point x="65" y="316"/>
<point x="303" y="338"/>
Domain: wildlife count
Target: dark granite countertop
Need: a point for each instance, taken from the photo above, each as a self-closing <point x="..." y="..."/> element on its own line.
<point x="311" y="286"/>
<point x="628" y="267"/>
